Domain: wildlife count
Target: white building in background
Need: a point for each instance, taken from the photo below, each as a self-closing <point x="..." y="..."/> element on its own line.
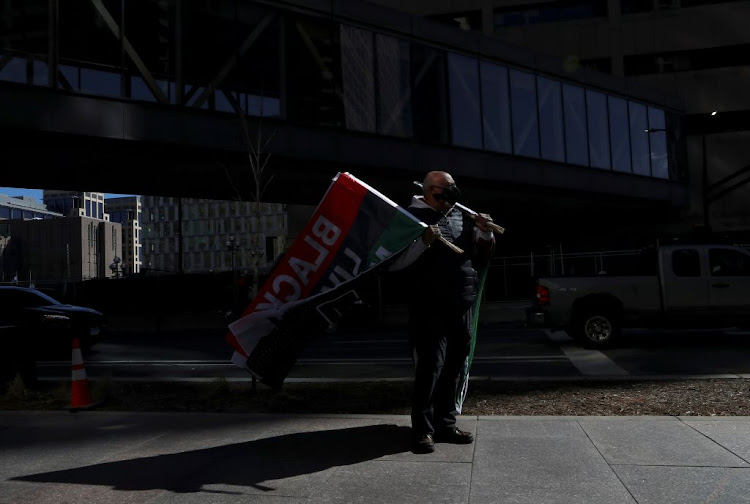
<point x="25" y="208"/>
<point x="208" y="229"/>
<point x="82" y="204"/>
<point x="127" y="210"/>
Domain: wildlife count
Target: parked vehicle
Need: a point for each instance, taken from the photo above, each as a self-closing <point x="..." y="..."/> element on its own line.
<point x="48" y="323"/>
<point x="680" y="286"/>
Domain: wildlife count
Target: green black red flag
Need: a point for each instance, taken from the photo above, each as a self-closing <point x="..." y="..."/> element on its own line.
<point x="354" y="231"/>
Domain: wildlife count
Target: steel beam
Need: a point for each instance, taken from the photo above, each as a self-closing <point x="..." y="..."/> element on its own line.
<point x="130" y="51"/>
<point x="234" y="59"/>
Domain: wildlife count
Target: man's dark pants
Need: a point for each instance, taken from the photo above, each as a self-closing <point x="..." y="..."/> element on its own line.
<point x="440" y="345"/>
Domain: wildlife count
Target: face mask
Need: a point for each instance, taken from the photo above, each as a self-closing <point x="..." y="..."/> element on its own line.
<point x="450" y="194"/>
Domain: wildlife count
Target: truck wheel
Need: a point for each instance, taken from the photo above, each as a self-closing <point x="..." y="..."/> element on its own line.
<point x="596" y="328"/>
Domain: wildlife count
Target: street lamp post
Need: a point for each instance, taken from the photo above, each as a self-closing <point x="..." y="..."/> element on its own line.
<point x="232" y="246"/>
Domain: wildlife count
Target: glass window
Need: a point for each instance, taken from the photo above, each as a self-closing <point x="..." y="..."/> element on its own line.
<point x="150" y="28"/>
<point x="14" y="70"/>
<point x="314" y="90"/>
<point x="90" y="46"/>
<point x="216" y="42"/>
<point x="68" y="77"/>
<point x="576" y="130"/>
<point x="551" y="130"/>
<point x="99" y="82"/>
<point x="88" y="208"/>
<point x="495" y="107"/>
<point x="358" y="67"/>
<point x="596" y="111"/>
<point x="430" y="97"/>
<point x="727" y="262"/>
<point x="41" y="73"/>
<point x="659" y="158"/>
<point x="686" y="263"/>
<point x="463" y="79"/>
<point x="394" y="87"/>
<point x="524" y="113"/>
<point x="619" y="134"/>
<point x="222" y="103"/>
<point x="24" y="30"/>
<point x="639" y="139"/>
<point x="140" y="91"/>
<point x="263" y="106"/>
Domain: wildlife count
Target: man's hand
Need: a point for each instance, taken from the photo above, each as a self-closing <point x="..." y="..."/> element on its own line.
<point x="430" y="234"/>
<point x="481" y="221"/>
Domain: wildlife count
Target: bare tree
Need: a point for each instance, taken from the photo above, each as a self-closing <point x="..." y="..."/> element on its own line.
<point x="258" y="157"/>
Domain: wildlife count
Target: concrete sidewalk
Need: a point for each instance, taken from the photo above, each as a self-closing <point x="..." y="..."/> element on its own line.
<point x="109" y="457"/>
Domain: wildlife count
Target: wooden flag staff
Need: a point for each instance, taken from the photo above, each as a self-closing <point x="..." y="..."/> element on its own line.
<point x="471" y="213"/>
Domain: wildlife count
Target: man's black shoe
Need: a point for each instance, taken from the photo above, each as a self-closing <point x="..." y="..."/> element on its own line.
<point x="423" y="444"/>
<point x="454" y="436"/>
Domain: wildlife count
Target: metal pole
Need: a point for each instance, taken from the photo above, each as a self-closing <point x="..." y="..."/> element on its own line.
<point x="179" y="236"/>
<point x="505" y="279"/>
<point x="562" y="263"/>
<point x="706" y="220"/>
<point x="531" y="258"/>
<point x="234" y="279"/>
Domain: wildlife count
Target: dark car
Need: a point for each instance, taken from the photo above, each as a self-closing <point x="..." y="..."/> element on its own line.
<point x="35" y="316"/>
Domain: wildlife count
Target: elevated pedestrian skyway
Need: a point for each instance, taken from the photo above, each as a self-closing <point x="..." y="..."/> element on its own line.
<point x="169" y="98"/>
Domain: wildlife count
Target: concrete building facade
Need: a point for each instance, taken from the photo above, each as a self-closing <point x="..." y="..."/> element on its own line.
<point x="128" y="212"/>
<point x="67" y="249"/>
<point x="22" y="208"/>
<point x="213" y="234"/>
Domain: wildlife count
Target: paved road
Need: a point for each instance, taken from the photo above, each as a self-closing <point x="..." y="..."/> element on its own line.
<point x="502" y="353"/>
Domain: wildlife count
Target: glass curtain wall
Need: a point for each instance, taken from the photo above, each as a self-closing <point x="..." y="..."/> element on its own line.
<point x="314" y="81"/>
<point x="429" y="94"/>
<point x="358" y="79"/>
<point x="658" y="142"/>
<point x="496" y="108"/>
<point x="229" y="57"/>
<point x="639" y="139"/>
<point x="24" y="42"/>
<point x="91" y="55"/>
<point x="524" y="114"/>
<point x="576" y="125"/>
<point x="465" y="101"/>
<point x="551" y="129"/>
<point x="242" y="57"/>
<point x="619" y="134"/>
<point x="393" y="72"/>
<point x="596" y="110"/>
<point x="150" y="65"/>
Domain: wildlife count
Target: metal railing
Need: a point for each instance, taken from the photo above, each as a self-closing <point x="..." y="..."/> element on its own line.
<point x="513" y="277"/>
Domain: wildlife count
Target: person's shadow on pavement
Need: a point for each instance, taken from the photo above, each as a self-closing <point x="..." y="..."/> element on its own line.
<point x="249" y="464"/>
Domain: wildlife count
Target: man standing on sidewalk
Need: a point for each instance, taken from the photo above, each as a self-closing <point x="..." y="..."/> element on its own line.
<point x="443" y="287"/>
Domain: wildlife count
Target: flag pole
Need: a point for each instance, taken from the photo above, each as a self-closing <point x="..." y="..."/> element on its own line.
<point x="471" y="213"/>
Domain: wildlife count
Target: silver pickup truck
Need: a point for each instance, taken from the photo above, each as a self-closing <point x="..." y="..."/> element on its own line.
<point x="690" y="286"/>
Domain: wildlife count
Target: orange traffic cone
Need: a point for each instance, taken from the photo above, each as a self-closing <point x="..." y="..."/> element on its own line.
<point x="81" y="395"/>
